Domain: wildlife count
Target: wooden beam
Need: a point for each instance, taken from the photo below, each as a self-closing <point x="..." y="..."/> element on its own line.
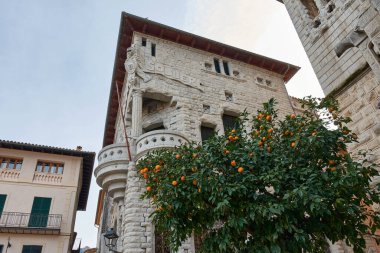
<point x="144" y="28"/>
<point x="223" y="51"/>
<point x="178" y="37"/>
<point x="208" y="46"/>
<point x="162" y="33"/>
<point x="193" y="42"/>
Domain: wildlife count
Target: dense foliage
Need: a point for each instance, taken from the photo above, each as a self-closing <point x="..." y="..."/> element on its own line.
<point x="276" y="186"/>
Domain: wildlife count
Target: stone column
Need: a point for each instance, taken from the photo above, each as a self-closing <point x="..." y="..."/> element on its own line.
<point x="136" y="113"/>
<point x="137" y="225"/>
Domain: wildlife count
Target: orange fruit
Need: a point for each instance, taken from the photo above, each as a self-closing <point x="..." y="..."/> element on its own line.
<point x="333" y="169"/>
<point x="233" y="163"/>
<point x="177" y="156"/>
<point x="183" y="178"/>
<point x="226" y="151"/>
<point x="240" y="169"/>
<point x="263" y="139"/>
<point x="142" y="171"/>
<point x="158" y="167"/>
<point x="231" y="138"/>
<point x="148" y="188"/>
<point x="174" y="183"/>
<point x="195" y="182"/>
<point x="293" y="144"/>
<point x="146" y="176"/>
<point x="331" y="162"/>
<point x="199" y="190"/>
<point x="268" y="118"/>
<point x="270" y="130"/>
<point x="314" y="133"/>
<point x="293" y="116"/>
<point x="195" y="155"/>
<point x="233" y="131"/>
<point x="236" y="138"/>
<point x="260" y="143"/>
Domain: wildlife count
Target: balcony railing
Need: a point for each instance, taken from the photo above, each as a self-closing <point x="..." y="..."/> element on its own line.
<point x="26" y="223"/>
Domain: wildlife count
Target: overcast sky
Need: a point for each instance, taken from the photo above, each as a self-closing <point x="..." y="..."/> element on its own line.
<point x="56" y="61"/>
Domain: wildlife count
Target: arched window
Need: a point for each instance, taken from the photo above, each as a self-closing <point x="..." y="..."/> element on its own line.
<point x="312" y="8"/>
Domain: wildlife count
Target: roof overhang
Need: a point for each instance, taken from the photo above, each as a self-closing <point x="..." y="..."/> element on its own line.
<point x="130" y="23"/>
<point x="88" y="163"/>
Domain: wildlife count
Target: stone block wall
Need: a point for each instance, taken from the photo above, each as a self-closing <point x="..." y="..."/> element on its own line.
<point x="319" y="42"/>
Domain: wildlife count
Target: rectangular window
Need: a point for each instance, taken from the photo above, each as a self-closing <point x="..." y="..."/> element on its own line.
<point x="217" y="65"/>
<point x="40" y="212"/>
<point x="31" y="249"/>
<point x="153" y="49"/>
<point x="206" y="132"/>
<point x="1" y="248"/>
<point x="229" y="122"/>
<point x="10" y="163"/>
<point x="143" y="42"/>
<point x="3" y="197"/>
<point x="226" y="68"/>
<point x="49" y="167"/>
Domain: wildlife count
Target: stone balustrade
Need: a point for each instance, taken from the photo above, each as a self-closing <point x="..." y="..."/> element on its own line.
<point x="111" y="172"/>
<point x="158" y="139"/>
<point x="9" y="174"/>
<point x="47" y="178"/>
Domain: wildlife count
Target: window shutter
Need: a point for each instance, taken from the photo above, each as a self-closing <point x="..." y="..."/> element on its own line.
<point x="31" y="249"/>
<point x="2" y="202"/>
<point x="40" y="212"/>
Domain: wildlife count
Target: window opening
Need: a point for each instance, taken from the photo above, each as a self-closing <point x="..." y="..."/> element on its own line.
<point x="229" y="122"/>
<point x="143" y="42"/>
<point x="229" y="96"/>
<point x="10" y="163"/>
<point x="226" y="68"/>
<point x="160" y="244"/>
<point x="206" y="109"/>
<point x="217" y="65"/>
<point x="49" y="167"/>
<point x="207" y="132"/>
<point x="312" y="8"/>
<point x="153" y="49"/>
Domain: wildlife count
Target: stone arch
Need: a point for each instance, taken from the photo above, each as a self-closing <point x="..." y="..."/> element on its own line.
<point x="312" y="8"/>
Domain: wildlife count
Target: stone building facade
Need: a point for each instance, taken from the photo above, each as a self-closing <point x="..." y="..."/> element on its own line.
<point x="170" y="87"/>
<point x="41" y="189"/>
<point x="342" y="39"/>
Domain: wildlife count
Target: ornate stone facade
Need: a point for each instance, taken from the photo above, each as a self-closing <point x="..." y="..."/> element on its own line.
<point x="342" y="43"/>
<point x="167" y="85"/>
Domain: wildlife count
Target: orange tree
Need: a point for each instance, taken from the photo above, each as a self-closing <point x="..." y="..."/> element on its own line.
<point x="277" y="186"/>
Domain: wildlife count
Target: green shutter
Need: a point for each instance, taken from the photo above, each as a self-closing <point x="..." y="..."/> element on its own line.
<point x="2" y="202"/>
<point x="31" y="249"/>
<point x="40" y="212"/>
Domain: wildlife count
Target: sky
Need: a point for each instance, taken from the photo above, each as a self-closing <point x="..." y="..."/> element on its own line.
<point x="56" y="62"/>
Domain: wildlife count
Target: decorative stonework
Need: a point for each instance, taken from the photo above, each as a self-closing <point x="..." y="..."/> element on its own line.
<point x="158" y="139"/>
<point x="9" y="174"/>
<point x="47" y="178"/>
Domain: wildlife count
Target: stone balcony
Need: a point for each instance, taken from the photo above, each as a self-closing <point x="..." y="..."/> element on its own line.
<point x="158" y="139"/>
<point x="111" y="172"/>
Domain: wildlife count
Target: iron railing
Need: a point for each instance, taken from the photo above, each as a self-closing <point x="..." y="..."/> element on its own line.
<point x="30" y="220"/>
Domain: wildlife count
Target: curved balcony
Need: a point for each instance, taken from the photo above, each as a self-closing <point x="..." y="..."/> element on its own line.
<point x="111" y="172"/>
<point x="158" y="139"/>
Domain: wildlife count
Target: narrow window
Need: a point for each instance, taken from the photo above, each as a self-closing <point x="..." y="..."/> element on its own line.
<point x="31" y="249"/>
<point x="229" y="96"/>
<point x="1" y="248"/>
<point x="217" y="65"/>
<point x="11" y="164"/>
<point x="207" y="132"/>
<point x="40" y="212"/>
<point x="143" y="42"/>
<point x="229" y="122"/>
<point x="60" y="170"/>
<point x="3" y="197"/>
<point x="226" y="68"/>
<point x="153" y="49"/>
<point x="18" y="166"/>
